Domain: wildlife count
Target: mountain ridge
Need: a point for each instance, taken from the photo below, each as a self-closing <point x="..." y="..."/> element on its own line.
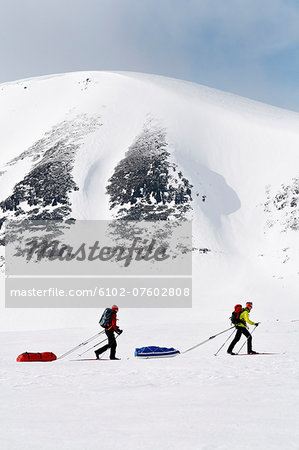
<point x="237" y="157"/>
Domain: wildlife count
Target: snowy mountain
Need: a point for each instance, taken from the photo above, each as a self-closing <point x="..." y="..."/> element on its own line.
<point x="101" y="145"/>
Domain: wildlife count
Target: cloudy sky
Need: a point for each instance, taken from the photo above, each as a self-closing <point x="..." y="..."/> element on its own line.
<point x="249" y="47"/>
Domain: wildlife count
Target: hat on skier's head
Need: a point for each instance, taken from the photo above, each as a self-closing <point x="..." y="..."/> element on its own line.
<point x="114" y="307"/>
<point x="249" y="304"/>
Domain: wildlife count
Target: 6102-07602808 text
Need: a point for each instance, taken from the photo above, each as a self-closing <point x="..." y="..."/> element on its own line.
<point x="104" y="292"/>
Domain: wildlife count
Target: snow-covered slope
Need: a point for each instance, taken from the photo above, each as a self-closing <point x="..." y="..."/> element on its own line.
<point x="232" y="162"/>
<point x="92" y="146"/>
<point x="195" y="401"/>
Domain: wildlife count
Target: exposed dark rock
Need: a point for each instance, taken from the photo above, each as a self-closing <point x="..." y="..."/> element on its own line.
<point x="146" y="184"/>
<point x="46" y="188"/>
<point x="283" y="206"/>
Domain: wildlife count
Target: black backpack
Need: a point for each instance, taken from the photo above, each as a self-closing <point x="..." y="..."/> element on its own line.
<point x="235" y="317"/>
<point x="106" y="317"/>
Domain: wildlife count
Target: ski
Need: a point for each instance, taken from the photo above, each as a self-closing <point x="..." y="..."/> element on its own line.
<point x="91" y="359"/>
<point x="253" y="354"/>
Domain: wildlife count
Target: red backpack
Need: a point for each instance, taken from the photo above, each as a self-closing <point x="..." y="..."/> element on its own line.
<point x="235" y="317"/>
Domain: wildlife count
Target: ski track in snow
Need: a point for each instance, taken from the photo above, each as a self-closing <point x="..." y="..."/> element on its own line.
<point x="192" y="401"/>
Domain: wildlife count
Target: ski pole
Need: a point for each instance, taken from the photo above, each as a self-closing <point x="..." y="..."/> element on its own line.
<point x="90" y="348"/>
<point x="245" y="341"/>
<point x="224" y="343"/>
<point x="211" y="337"/>
<point x="80" y="345"/>
<point x="107" y="348"/>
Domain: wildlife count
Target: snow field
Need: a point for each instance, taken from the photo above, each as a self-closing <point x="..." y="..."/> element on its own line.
<point x="193" y="401"/>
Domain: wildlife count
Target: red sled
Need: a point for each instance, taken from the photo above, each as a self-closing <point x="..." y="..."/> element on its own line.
<point x="30" y="357"/>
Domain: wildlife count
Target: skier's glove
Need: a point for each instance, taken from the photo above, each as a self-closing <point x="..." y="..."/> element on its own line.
<point x="119" y="331"/>
<point x="257" y="323"/>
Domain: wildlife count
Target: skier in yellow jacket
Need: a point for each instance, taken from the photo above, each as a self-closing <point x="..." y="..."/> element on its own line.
<point x="242" y="329"/>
